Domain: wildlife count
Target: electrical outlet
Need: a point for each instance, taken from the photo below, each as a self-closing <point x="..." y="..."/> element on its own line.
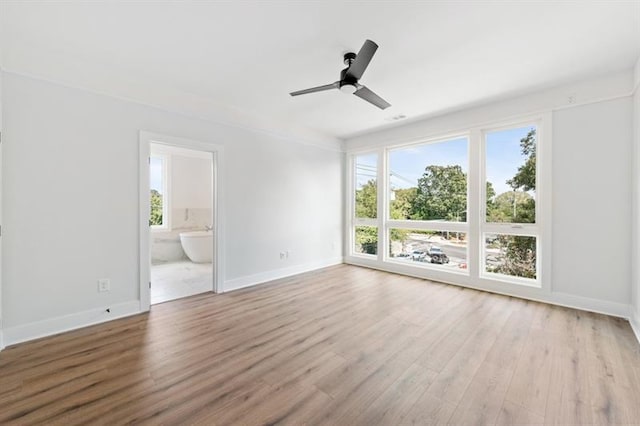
<point x="283" y="255"/>
<point x="104" y="284"/>
<point x="288" y="252"/>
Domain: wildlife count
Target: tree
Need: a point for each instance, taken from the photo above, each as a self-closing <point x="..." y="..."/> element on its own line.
<point x="155" y="217"/>
<point x="525" y="178"/>
<point x="519" y="256"/>
<point x="367" y="207"/>
<point x="401" y="208"/>
<point x="367" y="239"/>
<point x="520" y="251"/>
<point x="511" y="206"/>
<point x="367" y="200"/>
<point x="441" y="194"/>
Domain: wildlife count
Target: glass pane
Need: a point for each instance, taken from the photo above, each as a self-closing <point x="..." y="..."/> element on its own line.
<point x="429" y="182"/>
<point x="366" y="186"/>
<point x="512" y="255"/>
<point x="442" y="248"/>
<point x="511" y="175"/>
<point x="366" y="240"/>
<point x="156" y="181"/>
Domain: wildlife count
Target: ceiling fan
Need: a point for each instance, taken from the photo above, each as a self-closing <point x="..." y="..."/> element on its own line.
<point x="348" y="83"/>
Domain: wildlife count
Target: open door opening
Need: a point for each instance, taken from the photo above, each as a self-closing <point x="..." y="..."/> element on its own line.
<point x="179" y="219"/>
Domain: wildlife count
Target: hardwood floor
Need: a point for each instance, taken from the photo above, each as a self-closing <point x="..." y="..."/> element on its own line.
<point x="341" y="346"/>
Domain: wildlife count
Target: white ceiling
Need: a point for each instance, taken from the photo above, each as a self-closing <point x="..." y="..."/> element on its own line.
<point x="237" y="61"/>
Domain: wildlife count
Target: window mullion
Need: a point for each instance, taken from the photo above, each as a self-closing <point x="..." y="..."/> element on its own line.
<point x="475" y="207"/>
<point x="382" y="204"/>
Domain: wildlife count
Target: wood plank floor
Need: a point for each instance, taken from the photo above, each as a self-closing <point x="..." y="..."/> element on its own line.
<point x="339" y="346"/>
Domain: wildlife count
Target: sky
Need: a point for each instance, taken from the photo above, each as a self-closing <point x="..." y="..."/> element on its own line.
<point x="407" y="164"/>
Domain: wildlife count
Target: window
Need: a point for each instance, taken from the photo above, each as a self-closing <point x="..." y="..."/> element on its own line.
<point x="365" y="202"/>
<point x="511" y="175"/>
<point x="509" y="227"/>
<point x="442" y="249"/>
<point x="366" y="240"/>
<point x="467" y="205"/>
<point x="427" y="204"/>
<point x="429" y="182"/>
<point x="159" y="197"/>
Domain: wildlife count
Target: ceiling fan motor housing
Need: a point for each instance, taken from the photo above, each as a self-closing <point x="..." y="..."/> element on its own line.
<point x="349" y="57"/>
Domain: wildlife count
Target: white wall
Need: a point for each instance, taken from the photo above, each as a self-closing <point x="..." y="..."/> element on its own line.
<point x="591" y="183"/>
<point x="591" y="200"/>
<point x="190" y="183"/>
<point x="71" y="202"/>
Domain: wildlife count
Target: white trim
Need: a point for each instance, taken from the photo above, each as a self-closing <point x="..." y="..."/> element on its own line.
<point x="475" y="227"/>
<point x="216" y="153"/>
<point x="161" y="150"/>
<point x="263" y="277"/>
<point x="48" y="327"/>
<point x="523" y="292"/>
<point x="144" y="243"/>
<point x="634" y="321"/>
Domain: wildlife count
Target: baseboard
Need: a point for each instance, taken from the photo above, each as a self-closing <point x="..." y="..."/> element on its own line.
<point x="634" y="320"/>
<point x="38" y="329"/>
<point x="263" y="277"/>
<point x="592" y="305"/>
<point x="538" y="295"/>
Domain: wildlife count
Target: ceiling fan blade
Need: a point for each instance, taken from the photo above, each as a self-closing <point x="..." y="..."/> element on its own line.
<point x="363" y="58"/>
<point x="364" y="93"/>
<point x="335" y="85"/>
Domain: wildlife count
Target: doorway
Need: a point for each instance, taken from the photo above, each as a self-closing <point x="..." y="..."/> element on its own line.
<point x="180" y="232"/>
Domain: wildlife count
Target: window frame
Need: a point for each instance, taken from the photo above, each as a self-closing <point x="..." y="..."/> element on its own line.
<point x="166" y="196"/>
<point x="476" y="226"/>
<point x="424" y="225"/>
<point x="508" y="228"/>
<point x="361" y="221"/>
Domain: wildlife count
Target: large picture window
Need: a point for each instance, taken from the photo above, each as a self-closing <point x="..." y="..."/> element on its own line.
<point x="466" y="205"/>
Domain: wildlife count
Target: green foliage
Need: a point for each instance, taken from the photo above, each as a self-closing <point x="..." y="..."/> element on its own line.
<point x="441" y="194"/>
<point x="519" y="256"/>
<point x="512" y="207"/>
<point x="401" y="208"/>
<point x="519" y="252"/>
<point x="156" y="208"/>
<point x="367" y="200"/>
<point x="367" y="239"/>
<point x="525" y="178"/>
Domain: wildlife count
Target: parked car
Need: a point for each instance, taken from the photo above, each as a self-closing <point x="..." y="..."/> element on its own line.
<point x="437" y="255"/>
<point x="418" y="255"/>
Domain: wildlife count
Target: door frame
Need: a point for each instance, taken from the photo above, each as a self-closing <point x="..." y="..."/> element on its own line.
<point x="144" y="261"/>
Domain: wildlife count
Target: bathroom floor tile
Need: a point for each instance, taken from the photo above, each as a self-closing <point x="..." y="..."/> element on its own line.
<point x="179" y="279"/>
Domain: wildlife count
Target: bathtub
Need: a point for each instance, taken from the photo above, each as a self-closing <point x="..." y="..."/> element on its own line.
<point x="198" y="245"/>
